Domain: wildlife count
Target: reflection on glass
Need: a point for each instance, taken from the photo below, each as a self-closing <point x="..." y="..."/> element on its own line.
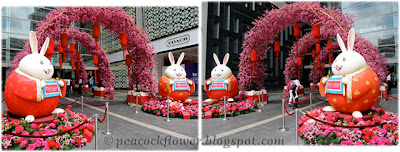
<point x="20" y="26"/>
<point x="388" y="51"/>
<point x="21" y="12"/>
<point x="17" y="41"/>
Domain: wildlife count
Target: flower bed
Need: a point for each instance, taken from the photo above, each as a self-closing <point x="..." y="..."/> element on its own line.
<point x="316" y="133"/>
<point x="62" y="121"/>
<point x="233" y="108"/>
<point x="159" y="108"/>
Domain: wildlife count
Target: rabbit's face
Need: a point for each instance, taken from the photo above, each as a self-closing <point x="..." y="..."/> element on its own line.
<point x="37" y="66"/>
<point x="347" y="62"/>
<point x="221" y="72"/>
<point x="175" y="72"/>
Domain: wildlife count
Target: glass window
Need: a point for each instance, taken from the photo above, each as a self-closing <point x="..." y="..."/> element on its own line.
<point x="22" y="12"/>
<point x="227" y="16"/>
<point x="236" y="25"/>
<point x="4" y="37"/>
<point x="388" y="51"/>
<point x="215" y="49"/>
<point x="5" y="24"/>
<point x="216" y="6"/>
<point x="17" y="41"/>
<point x="236" y="45"/>
<point x="381" y="37"/>
<point x="226" y="43"/>
<point x="4" y="11"/>
<point x="20" y="26"/>
<point x="215" y="30"/>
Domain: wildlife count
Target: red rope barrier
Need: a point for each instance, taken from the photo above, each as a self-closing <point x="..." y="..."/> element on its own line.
<point x="4" y="100"/>
<point x="104" y="117"/>
<point x="94" y="104"/>
<point x="393" y="97"/>
<point x="287" y="110"/>
<point x="336" y="125"/>
<point x="319" y="99"/>
<point x="299" y="101"/>
<point x="69" y="103"/>
<point x="46" y="136"/>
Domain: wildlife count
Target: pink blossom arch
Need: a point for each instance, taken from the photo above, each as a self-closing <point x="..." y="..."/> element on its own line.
<point x="115" y="21"/>
<point x="267" y="28"/>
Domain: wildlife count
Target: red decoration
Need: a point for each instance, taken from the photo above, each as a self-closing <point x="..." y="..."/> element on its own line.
<point x="60" y="68"/>
<point x="60" y="51"/>
<point x="322" y="65"/>
<point x="78" y="55"/>
<point x="123" y="42"/>
<point x="253" y="59"/>
<point x="296" y="32"/>
<point x="128" y="62"/>
<point x="96" y="63"/>
<point x="313" y="57"/>
<point x="316" y="32"/>
<point x="318" y="50"/>
<point x="299" y="63"/>
<point x="96" y="33"/>
<point x="329" y="47"/>
<point x="64" y="43"/>
<point x="72" y="50"/>
<point x="277" y="49"/>
<point x="50" y="50"/>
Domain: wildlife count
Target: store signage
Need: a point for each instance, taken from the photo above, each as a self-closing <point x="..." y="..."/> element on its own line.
<point x="178" y="40"/>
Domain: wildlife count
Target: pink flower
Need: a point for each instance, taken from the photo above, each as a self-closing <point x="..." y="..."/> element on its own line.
<point x="52" y="125"/>
<point x="336" y="114"/>
<point x="343" y="143"/>
<point x="34" y="126"/>
<point x="347" y="118"/>
<point x="386" y="117"/>
<point x="376" y="119"/>
<point x="339" y="134"/>
<point x="326" y="132"/>
<point x="358" y="143"/>
<point x="46" y="148"/>
<point x="69" y="107"/>
<point x="31" y="147"/>
<point x="19" y="129"/>
<point x="23" y="143"/>
<point x="158" y="113"/>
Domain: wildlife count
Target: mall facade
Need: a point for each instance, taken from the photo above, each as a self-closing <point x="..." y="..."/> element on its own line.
<point x="171" y="29"/>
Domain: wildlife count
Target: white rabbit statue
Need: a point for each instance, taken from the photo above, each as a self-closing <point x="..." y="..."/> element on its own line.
<point x="222" y="82"/>
<point x="30" y="90"/>
<point x="354" y="87"/>
<point x="173" y="83"/>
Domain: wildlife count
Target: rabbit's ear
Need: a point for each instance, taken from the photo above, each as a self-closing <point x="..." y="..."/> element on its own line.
<point x="45" y="46"/>
<point x="350" y="39"/>
<point x="33" y="42"/>
<point x="341" y="44"/>
<point x="171" y="58"/>
<point x="226" y="58"/>
<point x="216" y="59"/>
<point x="180" y="59"/>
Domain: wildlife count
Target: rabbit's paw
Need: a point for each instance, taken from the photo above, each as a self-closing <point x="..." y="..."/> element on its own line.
<point x="190" y="82"/>
<point x="231" y="99"/>
<point x="61" y="83"/>
<point x="328" y="108"/>
<point x="57" y="110"/>
<point x="346" y="80"/>
<point x="324" y="79"/>
<point x="357" y="114"/>
<point x="29" y="118"/>
<point x="226" y="81"/>
<point x="171" y="81"/>
<point x="208" y="82"/>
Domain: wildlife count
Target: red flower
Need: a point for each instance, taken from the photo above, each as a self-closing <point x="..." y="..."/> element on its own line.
<point x="376" y="119"/>
<point x="56" y="121"/>
<point x="366" y="139"/>
<point x="34" y="126"/>
<point x="69" y="107"/>
<point x="78" y="141"/>
<point x="396" y="136"/>
<point x="51" y="143"/>
<point x="216" y="114"/>
<point x="90" y="127"/>
<point x="57" y="146"/>
<point x="42" y="132"/>
<point x="382" y="111"/>
<point x="20" y="140"/>
<point x="386" y="117"/>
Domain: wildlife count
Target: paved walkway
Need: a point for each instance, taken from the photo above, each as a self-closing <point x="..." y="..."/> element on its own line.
<point x="143" y="131"/>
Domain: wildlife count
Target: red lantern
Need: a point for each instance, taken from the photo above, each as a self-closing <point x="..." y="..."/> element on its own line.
<point x="50" y="50"/>
<point x="124" y="42"/>
<point x="313" y="54"/>
<point x="299" y="62"/>
<point x="60" y="68"/>
<point x="64" y="43"/>
<point x="322" y="65"/>
<point x="72" y="51"/>
<point x="253" y="59"/>
<point x="318" y="50"/>
<point x="60" y="51"/>
<point x="96" y="33"/>
<point x="329" y="45"/>
<point x="316" y="32"/>
<point x="296" y="32"/>
<point x="78" y="55"/>
<point x="72" y="63"/>
<point x="277" y="49"/>
<point x="128" y="62"/>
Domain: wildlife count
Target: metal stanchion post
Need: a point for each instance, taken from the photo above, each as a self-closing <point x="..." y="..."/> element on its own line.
<point x="81" y="104"/>
<point x="297" y="126"/>
<point x="283" y="117"/>
<point x="310" y="101"/>
<point x="137" y="99"/>
<point x="259" y="99"/>
<point x="108" y="132"/>
<point x="259" y="104"/>
<point x="224" y="109"/>
<point x="168" y="102"/>
<point x="381" y="97"/>
<point x="96" y="116"/>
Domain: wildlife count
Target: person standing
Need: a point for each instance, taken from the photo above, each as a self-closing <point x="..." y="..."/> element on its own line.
<point x="80" y="86"/>
<point x="68" y="82"/>
<point x="91" y="83"/>
<point x="389" y="82"/>
<point x="294" y="90"/>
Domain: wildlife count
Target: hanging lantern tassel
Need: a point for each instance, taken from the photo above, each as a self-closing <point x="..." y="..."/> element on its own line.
<point x="96" y="63"/>
<point x="329" y="47"/>
<point x="322" y="65"/>
<point x="128" y="62"/>
<point x="313" y="59"/>
<point x="78" y="58"/>
<point x="253" y="59"/>
<point x="277" y="49"/>
<point x="60" y="63"/>
<point x="318" y="51"/>
<point x="299" y="63"/>
<point x="96" y="33"/>
<point x="123" y="42"/>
